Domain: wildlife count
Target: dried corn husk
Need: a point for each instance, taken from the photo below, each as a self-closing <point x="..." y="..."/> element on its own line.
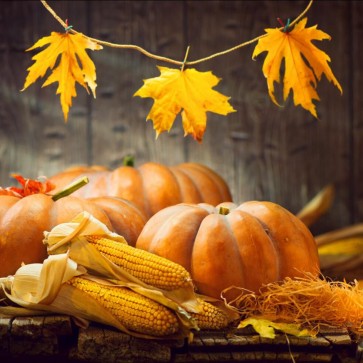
<point x="341" y="252"/>
<point x="42" y="288"/>
<point x="317" y="206"/>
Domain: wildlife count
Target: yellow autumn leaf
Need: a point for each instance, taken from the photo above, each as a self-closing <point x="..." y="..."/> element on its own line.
<point x="266" y="328"/>
<point x="73" y="66"/>
<point x="304" y="63"/>
<point x="187" y="91"/>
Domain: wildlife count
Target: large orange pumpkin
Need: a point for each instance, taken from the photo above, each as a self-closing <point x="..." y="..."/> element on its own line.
<point x="151" y="186"/>
<point x="249" y="245"/>
<point x="126" y="219"/>
<point x="24" y="219"/>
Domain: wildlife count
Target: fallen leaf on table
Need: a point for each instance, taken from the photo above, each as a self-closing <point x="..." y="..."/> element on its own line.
<point x="73" y="66"/>
<point x="304" y="63"/>
<point x="266" y="328"/>
<point x="189" y="92"/>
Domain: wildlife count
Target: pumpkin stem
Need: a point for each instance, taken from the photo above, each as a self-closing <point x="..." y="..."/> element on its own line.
<point x="71" y="188"/>
<point x="223" y="210"/>
<point x="128" y="160"/>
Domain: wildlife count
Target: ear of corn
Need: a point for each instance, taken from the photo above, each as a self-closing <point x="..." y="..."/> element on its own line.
<point x="91" y="247"/>
<point x="153" y="270"/>
<point x="210" y="317"/>
<point x="134" y="311"/>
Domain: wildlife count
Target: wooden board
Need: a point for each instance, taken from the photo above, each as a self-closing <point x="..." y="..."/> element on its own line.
<point x="56" y="339"/>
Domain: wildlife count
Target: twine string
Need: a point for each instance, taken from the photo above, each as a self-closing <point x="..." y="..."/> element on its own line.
<point x="185" y="59"/>
<point x="165" y="59"/>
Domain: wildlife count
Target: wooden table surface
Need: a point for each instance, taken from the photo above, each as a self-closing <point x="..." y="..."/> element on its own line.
<point x="55" y="338"/>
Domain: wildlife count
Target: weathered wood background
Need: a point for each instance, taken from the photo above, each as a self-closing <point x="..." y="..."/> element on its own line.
<point x="264" y="152"/>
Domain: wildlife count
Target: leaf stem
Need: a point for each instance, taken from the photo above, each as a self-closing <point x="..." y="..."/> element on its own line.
<point x="165" y="59"/>
<point x="185" y="58"/>
<point x="223" y="211"/>
<point x="71" y="188"/>
<point x="128" y="160"/>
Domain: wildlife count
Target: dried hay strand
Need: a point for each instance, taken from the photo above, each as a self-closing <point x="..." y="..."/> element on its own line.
<point x="309" y="301"/>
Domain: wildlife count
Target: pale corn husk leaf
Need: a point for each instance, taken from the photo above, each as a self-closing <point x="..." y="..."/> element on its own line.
<point x="326" y="239"/>
<point x="40" y="283"/>
<point x="342" y="255"/>
<point x="345" y="246"/>
<point x="341" y="250"/>
<point x="317" y="206"/>
<point x="37" y="287"/>
<point x="267" y="328"/>
<point x="41" y="289"/>
<point x="26" y="289"/>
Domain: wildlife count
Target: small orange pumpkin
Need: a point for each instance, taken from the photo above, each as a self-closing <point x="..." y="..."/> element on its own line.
<point x="247" y="246"/>
<point x="25" y="216"/>
<point x="151" y="186"/>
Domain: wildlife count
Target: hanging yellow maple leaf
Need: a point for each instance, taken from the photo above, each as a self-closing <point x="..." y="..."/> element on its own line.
<point x="304" y="63"/>
<point x="69" y="69"/>
<point x="187" y="91"/>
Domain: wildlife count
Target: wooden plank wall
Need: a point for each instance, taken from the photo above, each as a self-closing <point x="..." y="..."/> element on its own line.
<point x="263" y="151"/>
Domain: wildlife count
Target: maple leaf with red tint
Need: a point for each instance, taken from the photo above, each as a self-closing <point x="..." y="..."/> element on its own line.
<point x="186" y="92"/>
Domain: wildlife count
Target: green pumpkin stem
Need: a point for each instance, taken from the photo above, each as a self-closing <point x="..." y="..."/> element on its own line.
<point x="71" y="188"/>
<point x="223" y="210"/>
<point x="128" y="160"/>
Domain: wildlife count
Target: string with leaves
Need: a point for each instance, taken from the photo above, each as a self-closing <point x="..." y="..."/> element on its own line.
<point x="185" y="90"/>
<point x="165" y="59"/>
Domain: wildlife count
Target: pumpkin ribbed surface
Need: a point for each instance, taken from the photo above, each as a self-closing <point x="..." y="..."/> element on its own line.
<point x="151" y="186"/>
<point x="23" y="221"/>
<point x="126" y="219"/>
<point x="253" y="244"/>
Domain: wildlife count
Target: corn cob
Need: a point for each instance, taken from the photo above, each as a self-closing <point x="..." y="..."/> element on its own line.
<point x="134" y="311"/>
<point x="154" y="270"/>
<point x="211" y="317"/>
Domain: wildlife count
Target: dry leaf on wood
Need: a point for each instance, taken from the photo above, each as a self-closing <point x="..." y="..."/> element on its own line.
<point x="266" y="328"/>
